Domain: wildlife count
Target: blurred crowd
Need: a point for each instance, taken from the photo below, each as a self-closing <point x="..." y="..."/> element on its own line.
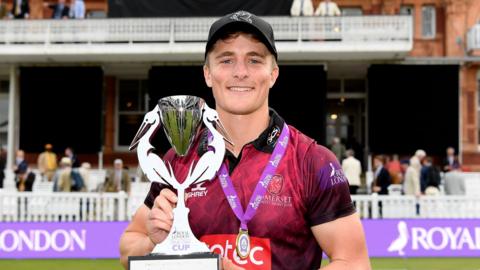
<point x="415" y="175"/>
<point x="61" y="9"/>
<point x="66" y="173"/>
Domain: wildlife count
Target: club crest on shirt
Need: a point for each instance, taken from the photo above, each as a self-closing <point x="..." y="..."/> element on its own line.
<point x="276" y="194"/>
<point x="276" y="185"/>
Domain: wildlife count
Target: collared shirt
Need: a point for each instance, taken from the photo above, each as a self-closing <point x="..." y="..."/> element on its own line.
<point x="307" y="189"/>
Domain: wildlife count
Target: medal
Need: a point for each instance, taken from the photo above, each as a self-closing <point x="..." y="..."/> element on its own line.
<point x="243" y="244"/>
<point x="243" y="239"/>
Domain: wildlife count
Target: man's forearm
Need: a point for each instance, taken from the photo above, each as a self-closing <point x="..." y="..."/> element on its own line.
<point x="134" y="244"/>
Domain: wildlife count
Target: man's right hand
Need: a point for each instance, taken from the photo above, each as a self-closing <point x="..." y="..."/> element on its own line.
<point x="160" y="218"/>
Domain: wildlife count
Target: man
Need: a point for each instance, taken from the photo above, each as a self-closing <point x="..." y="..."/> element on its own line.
<point x="60" y="10"/>
<point x="450" y="162"/>
<point x="306" y="207"/>
<point x="47" y="162"/>
<point x="20" y="169"/>
<point x="352" y="169"/>
<point x="338" y="148"/>
<point x="118" y="179"/>
<point x="327" y="8"/>
<point x="382" y="177"/>
<point x="20" y="9"/>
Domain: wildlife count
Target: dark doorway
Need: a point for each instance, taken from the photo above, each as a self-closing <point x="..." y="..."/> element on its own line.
<point x="413" y="107"/>
<point x="62" y="106"/>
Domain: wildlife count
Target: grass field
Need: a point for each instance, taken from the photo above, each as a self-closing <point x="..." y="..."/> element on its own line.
<point x="380" y="264"/>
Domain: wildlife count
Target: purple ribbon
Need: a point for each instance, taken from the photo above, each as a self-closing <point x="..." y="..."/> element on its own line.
<point x="260" y="189"/>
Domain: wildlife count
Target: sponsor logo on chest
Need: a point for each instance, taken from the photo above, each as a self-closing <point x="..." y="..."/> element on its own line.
<point x="198" y="191"/>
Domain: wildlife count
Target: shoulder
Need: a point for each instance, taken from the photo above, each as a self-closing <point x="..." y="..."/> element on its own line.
<point x="312" y="155"/>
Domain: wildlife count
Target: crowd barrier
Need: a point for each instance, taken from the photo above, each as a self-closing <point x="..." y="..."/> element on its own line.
<point x="98" y="206"/>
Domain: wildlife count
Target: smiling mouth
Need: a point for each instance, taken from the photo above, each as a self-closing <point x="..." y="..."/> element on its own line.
<point x="239" y="88"/>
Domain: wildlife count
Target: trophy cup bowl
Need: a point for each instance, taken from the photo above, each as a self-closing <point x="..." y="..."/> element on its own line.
<point x="181" y="118"/>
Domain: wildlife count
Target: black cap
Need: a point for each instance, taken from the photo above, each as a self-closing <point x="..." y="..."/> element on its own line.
<point x="243" y="21"/>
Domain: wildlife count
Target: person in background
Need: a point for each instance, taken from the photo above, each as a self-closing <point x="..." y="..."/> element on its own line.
<point x="63" y="177"/>
<point x="394" y="169"/>
<point x="352" y="169"/>
<point x="3" y="10"/>
<point x="60" y="10"/>
<point x="72" y="156"/>
<point x="20" y="9"/>
<point x="451" y="161"/>
<point x="47" y="162"/>
<point x="84" y="172"/>
<point x="411" y="179"/>
<point x="3" y="164"/>
<point x="301" y="8"/>
<point x="77" y="9"/>
<point x="338" y="149"/>
<point x="382" y="178"/>
<point x="429" y="177"/>
<point x="20" y="169"/>
<point x="118" y="179"/>
<point x="327" y="8"/>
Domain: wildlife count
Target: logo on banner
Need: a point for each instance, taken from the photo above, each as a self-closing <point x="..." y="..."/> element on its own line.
<point x="438" y="238"/>
<point x="402" y="240"/>
<point x="260" y="256"/>
<point x="42" y="240"/>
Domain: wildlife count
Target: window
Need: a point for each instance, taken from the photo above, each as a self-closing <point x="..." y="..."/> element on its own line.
<point x="428" y="22"/>
<point x="132" y="104"/>
<point x="4" y="92"/>
<point x="352" y="11"/>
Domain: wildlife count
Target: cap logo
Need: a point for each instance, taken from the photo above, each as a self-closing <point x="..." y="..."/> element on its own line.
<point x="242" y="16"/>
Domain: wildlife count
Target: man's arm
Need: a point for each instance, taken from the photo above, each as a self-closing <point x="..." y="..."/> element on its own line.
<point x="343" y="241"/>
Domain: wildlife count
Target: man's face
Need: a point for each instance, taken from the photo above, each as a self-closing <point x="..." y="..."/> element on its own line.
<point x="241" y="72"/>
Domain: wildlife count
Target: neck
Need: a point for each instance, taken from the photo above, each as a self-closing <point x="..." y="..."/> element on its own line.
<point x="243" y="129"/>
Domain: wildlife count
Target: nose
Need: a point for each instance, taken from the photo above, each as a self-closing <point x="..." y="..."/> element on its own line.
<point x="240" y="70"/>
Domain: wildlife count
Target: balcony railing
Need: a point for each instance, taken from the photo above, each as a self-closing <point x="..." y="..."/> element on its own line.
<point x="172" y="30"/>
<point x="132" y="39"/>
<point x="473" y="38"/>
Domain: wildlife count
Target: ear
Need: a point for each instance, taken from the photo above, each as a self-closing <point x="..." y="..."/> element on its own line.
<point x="207" y="76"/>
<point x="274" y="75"/>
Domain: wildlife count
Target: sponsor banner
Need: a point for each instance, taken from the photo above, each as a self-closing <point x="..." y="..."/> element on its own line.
<point x="423" y="237"/>
<point x="60" y="239"/>
<point x="259" y="257"/>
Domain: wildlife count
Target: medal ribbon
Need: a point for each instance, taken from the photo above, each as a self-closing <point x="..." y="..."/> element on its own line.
<point x="260" y="189"/>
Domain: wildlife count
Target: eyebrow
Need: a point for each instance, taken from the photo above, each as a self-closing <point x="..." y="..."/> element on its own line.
<point x="230" y="53"/>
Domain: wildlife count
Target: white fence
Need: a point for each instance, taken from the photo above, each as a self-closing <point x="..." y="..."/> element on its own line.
<point x="178" y="30"/>
<point x="44" y="206"/>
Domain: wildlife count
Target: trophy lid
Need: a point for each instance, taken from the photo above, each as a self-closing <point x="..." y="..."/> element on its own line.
<point x="181" y="118"/>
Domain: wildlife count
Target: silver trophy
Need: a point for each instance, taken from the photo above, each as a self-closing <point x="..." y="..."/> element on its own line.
<point x="180" y="117"/>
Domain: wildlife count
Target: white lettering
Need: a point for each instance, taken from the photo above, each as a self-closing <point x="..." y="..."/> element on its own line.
<point x="38" y="240"/>
<point x="55" y="242"/>
<point x="418" y="237"/>
<point x="25" y="239"/>
<point x="444" y="238"/>
<point x="453" y="237"/>
<point x="81" y="242"/>
<point x="252" y="255"/>
<point x="14" y="243"/>
<point x="466" y="238"/>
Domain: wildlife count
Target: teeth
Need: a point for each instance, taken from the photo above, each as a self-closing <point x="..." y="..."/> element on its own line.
<point x="240" y="89"/>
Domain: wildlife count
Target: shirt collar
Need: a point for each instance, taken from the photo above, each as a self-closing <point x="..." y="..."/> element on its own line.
<point x="266" y="140"/>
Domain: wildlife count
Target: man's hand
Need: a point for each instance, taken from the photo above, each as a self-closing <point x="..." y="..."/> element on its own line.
<point x="227" y="264"/>
<point x="160" y="218"/>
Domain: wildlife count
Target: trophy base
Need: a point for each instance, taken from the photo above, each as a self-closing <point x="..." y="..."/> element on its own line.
<point x="198" y="261"/>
